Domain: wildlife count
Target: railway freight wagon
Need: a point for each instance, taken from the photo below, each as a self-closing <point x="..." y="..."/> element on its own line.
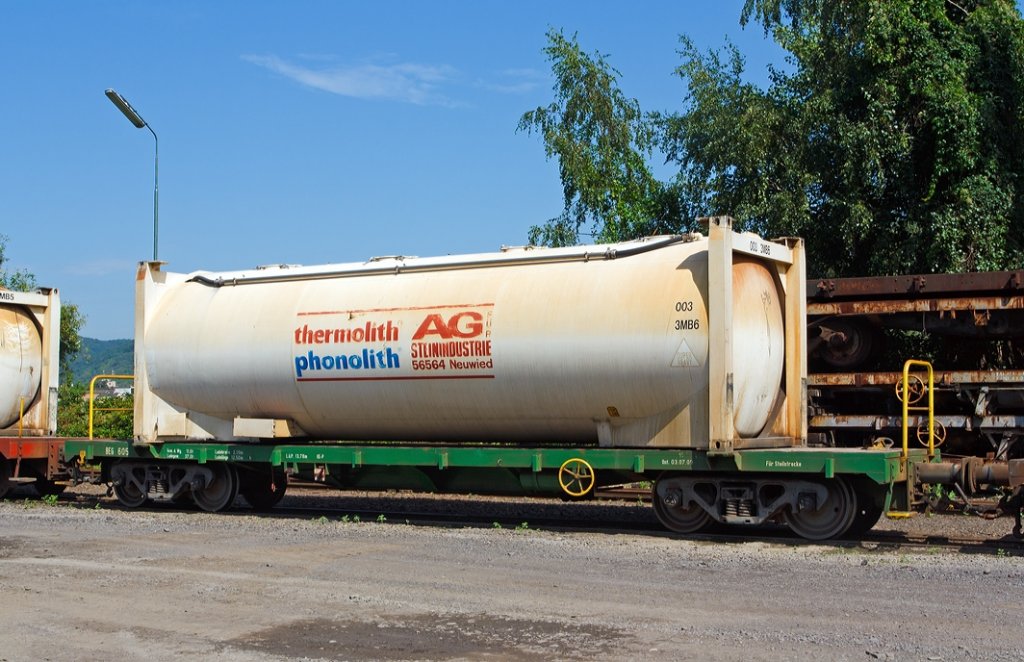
<point x="676" y="359"/>
<point x="29" y="351"/>
<point x="978" y="410"/>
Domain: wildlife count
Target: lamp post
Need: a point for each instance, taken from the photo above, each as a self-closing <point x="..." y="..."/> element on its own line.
<point x="136" y="119"/>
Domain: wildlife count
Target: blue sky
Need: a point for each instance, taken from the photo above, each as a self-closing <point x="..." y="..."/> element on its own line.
<point x="301" y="132"/>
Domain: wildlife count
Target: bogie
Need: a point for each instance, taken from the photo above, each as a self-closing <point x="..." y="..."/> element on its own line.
<point x="813" y="509"/>
<point x="213" y="486"/>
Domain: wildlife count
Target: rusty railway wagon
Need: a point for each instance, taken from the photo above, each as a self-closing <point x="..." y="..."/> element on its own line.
<point x="680" y="360"/>
<point x="854" y="393"/>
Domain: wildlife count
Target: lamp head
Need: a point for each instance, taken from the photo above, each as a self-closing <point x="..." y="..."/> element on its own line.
<point x="126" y="108"/>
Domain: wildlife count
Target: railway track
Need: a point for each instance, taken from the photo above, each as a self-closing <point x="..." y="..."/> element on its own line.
<point x="1003" y="546"/>
<point x="599" y="515"/>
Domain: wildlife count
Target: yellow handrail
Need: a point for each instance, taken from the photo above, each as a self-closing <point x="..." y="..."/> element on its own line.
<point x="92" y="397"/>
<point x="905" y="397"/>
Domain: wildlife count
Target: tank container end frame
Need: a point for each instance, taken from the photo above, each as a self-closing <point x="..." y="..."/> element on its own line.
<point x="39" y="418"/>
<point x="787" y="256"/>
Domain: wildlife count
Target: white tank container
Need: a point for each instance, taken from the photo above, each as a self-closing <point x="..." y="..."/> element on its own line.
<point x="599" y="344"/>
<point x="28" y="379"/>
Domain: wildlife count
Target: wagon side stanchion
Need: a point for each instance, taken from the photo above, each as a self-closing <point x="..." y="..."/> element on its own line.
<point x="92" y="399"/>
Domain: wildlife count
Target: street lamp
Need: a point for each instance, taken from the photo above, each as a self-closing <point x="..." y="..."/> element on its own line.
<point x="136" y="119"/>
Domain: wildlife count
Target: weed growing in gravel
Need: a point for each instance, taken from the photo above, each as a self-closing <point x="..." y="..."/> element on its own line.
<point x="381" y="519"/>
<point x="50" y="499"/>
<point x="321" y="520"/>
<point x="356" y="519"/>
<point x="525" y="526"/>
<point x="344" y="519"/>
<point x="496" y="525"/>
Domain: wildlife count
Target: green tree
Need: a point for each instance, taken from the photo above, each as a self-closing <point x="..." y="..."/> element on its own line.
<point x="71" y="318"/>
<point x="891" y="146"/>
<point x="736" y="146"/>
<point x="20" y="280"/>
<point x="603" y="143"/>
<point x="71" y="321"/>
<point x="890" y="142"/>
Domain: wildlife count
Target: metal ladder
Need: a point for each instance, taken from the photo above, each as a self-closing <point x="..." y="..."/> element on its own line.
<point x="910" y="395"/>
<point x="910" y="390"/>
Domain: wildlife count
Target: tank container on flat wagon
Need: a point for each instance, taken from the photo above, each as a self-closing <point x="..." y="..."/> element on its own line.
<point x="676" y="341"/>
<point x="29" y="339"/>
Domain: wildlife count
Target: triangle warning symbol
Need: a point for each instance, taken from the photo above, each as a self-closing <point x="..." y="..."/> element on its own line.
<point x="684" y="358"/>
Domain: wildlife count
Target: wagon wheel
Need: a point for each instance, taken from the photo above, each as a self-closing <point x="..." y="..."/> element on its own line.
<point x="263" y="489"/>
<point x="915" y="389"/>
<point x="831" y="518"/>
<point x="128" y="488"/>
<point x="576" y="477"/>
<point x="848" y="343"/>
<point x="219" y="493"/>
<point x="675" y="515"/>
<point x="129" y="495"/>
<point x="940" y="434"/>
<point x="870" y="506"/>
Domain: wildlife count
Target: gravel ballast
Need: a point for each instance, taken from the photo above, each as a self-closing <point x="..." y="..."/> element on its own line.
<point x="85" y="582"/>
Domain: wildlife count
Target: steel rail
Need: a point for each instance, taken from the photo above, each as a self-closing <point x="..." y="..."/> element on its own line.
<point x="531" y="516"/>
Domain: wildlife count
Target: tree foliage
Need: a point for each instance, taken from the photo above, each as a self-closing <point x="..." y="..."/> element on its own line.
<point x="112" y="415"/>
<point x="889" y="142"/>
<point x="603" y="143"/>
<point x="71" y="318"/>
<point x="71" y="321"/>
<point x="20" y="280"/>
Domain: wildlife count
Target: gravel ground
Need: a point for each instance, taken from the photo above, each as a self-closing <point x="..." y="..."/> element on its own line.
<point x="86" y="580"/>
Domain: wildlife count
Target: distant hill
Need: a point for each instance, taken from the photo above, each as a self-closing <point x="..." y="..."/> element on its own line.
<point x="103" y="357"/>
